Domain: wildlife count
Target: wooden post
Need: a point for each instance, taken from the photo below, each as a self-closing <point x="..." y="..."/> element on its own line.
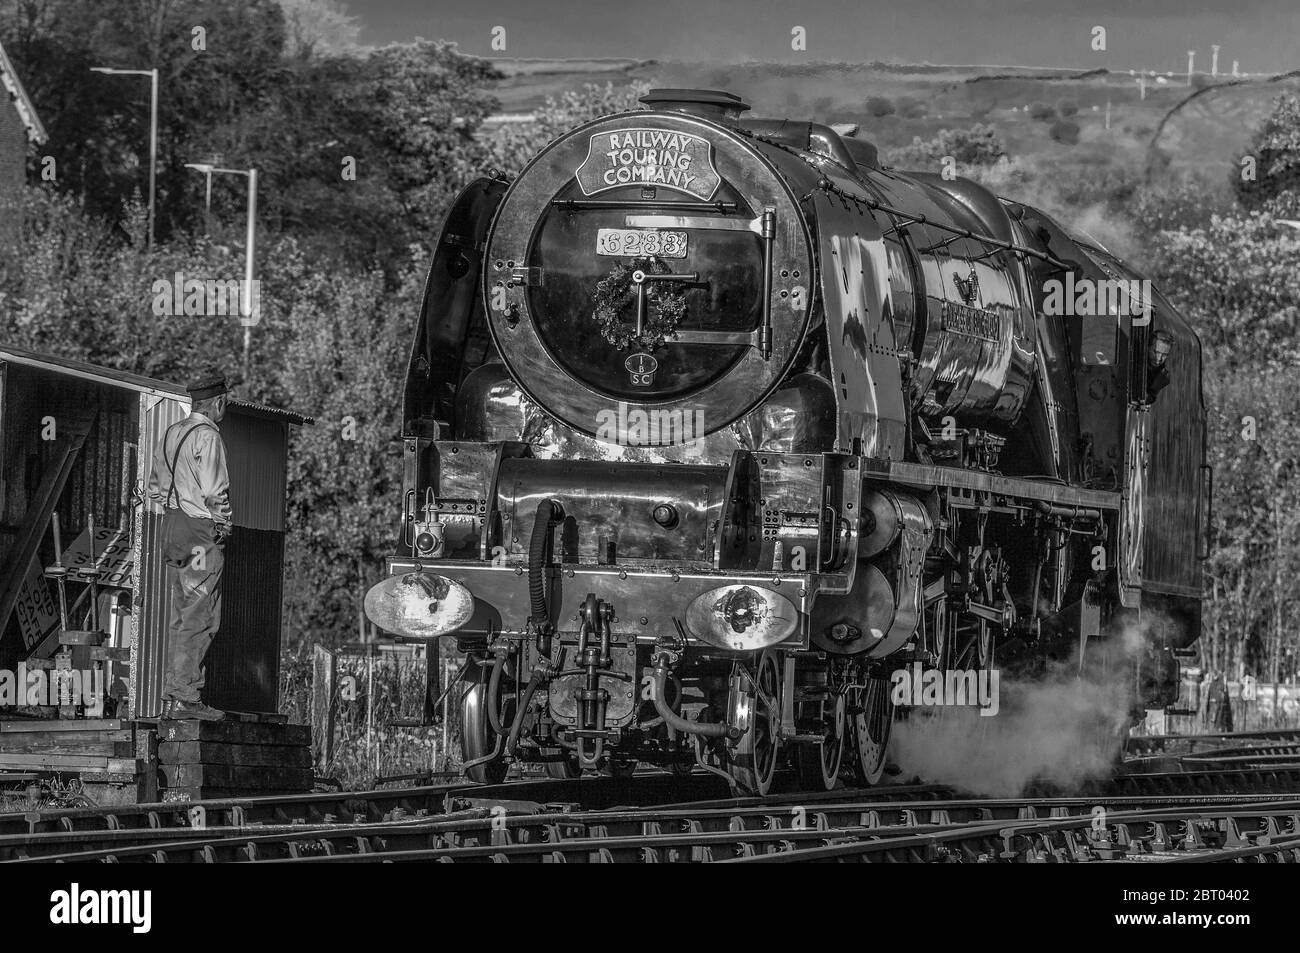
<point x="325" y="669"/>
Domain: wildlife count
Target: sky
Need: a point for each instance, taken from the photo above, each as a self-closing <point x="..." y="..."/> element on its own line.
<point x="1264" y="35"/>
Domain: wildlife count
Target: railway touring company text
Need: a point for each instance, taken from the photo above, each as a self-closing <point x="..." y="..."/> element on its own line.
<point x="649" y="157"/>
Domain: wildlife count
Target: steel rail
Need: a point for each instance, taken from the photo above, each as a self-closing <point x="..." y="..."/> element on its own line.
<point x="372" y="805"/>
<point x="1068" y="840"/>
<point x="1286" y="851"/>
<point x="1151" y="743"/>
<point x="1028" y="841"/>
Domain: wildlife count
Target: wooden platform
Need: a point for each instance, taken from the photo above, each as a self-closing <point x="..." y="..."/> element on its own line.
<point x="115" y="759"/>
<point x="198" y="760"/>
<point x="136" y="762"/>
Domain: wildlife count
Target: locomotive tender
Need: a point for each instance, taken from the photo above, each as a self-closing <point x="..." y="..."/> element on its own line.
<point x="712" y="423"/>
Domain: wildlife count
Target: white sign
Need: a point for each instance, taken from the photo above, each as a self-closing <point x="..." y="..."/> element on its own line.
<point x="113" y="557"/>
<point x="37" y="614"/>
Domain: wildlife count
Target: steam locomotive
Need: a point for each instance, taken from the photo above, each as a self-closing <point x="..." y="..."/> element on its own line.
<point x="713" y="423"/>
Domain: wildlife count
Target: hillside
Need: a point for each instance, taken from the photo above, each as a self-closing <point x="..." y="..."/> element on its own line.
<point x="1200" y="131"/>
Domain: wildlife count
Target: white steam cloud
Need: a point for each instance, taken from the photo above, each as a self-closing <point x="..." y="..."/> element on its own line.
<point x="1063" y="728"/>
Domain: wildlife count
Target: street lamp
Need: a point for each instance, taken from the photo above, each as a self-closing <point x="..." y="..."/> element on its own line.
<point x="246" y="298"/>
<point x="153" y="127"/>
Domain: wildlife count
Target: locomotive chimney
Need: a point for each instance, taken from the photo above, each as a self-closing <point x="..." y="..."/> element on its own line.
<point x="707" y="103"/>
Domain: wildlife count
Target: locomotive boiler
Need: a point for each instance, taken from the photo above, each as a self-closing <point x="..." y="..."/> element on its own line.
<point x="713" y="423"/>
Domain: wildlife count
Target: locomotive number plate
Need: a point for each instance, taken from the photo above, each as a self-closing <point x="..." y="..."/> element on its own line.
<point x="632" y="242"/>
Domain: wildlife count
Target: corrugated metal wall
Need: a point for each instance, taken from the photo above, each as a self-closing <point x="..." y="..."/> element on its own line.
<point x="255" y="453"/>
<point x="152" y="605"/>
<point x="243" y="665"/>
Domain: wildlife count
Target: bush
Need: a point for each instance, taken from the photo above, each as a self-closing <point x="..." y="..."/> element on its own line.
<point x="1067" y="107"/>
<point x="879" y="106"/>
<point x="1065" y="131"/>
<point x="1042" y="112"/>
<point x="979" y="145"/>
<point x="912" y="109"/>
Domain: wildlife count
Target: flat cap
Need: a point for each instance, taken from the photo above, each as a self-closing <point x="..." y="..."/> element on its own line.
<point x="208" y="386"/>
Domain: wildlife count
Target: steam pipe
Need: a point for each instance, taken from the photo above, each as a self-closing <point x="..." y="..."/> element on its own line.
<point x="549" y="515"/>
<point x="1073" y="512"/>
<point x="676" y="721"/>
<point x="522" y="710"/>
<point x="494" y="686"/>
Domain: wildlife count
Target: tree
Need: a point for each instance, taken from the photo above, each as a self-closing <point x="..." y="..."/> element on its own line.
<point x="514" y="145"/>
<point x="365" y="152"/>
<point x="318" y="26"/>
<point x="99" y="125"/>
<point x="356" y="153"/>
<point x="1276" y="151"/>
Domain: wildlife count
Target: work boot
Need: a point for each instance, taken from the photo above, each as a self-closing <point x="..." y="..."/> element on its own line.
<point x="195" y="711"/>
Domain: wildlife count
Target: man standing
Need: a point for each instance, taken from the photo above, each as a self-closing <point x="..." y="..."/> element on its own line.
<point x="189" y="480"/>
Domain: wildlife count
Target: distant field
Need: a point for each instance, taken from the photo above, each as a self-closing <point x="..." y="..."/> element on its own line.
<point x="1207" y="135"/>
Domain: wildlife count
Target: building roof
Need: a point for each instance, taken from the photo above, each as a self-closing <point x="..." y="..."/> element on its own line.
<point x="128" y="381"/>
<point x="18" y="96"/>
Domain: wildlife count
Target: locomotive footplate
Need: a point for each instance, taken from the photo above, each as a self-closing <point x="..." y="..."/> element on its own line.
<point x="647" y="600"/>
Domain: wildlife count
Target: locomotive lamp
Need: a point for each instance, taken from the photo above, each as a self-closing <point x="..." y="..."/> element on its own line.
<point x="419" y="605"/>
<point x="741" y="618"/>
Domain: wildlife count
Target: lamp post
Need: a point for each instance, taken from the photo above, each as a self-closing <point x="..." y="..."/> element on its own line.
<point x="153" y="127"/>
<point x="250" y="243"/>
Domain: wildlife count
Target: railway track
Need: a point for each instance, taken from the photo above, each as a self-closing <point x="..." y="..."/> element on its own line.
<point x="496" y="827"/>
<point x="982" y="831"/>
<point x="520" y="830"/>
<point x="1237" y="800"/>
<point x="92" y="827"/>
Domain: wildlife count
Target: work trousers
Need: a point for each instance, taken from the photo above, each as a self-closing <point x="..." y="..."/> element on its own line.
<point x="194" y="562"/>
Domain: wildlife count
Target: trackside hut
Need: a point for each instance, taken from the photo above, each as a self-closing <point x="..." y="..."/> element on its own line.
<point x="77" y="440"/>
